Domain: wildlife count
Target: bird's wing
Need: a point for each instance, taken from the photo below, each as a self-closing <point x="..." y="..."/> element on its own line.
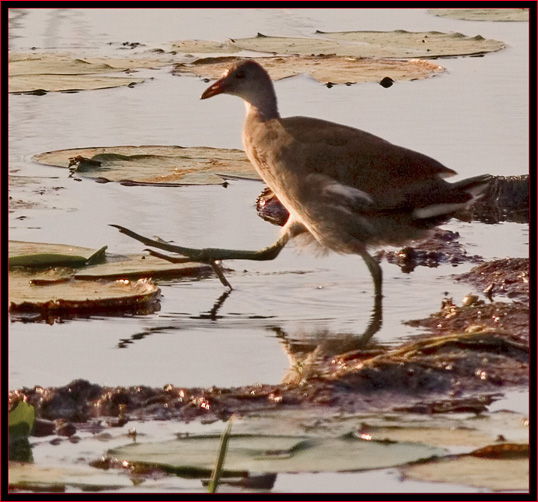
<point x="355" y="159"/>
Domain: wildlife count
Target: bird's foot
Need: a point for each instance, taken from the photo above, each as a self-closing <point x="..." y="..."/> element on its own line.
<point x="188" y="254"/>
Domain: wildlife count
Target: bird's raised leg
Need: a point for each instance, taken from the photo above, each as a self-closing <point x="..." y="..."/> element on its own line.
<point x="206" y="255"/>
<point x="211" y="256"/>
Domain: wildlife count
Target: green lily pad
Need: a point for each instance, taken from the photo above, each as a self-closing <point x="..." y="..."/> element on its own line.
<point x="263" y="453"/>
<point x="325" y="69"/>
<point x="483" y="14"/>
<point x="49" y="72"/>
<point x="21" y="420"/>
<point x="373" y="44"/>
<point x="154" y="165"/>
<point x="88" y="264"/>
<point x="31" y="254"/>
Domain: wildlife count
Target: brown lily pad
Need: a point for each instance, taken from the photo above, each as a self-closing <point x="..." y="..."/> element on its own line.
<point x="28" y="293"/>
<point x="496" y="475"/>
<point x="39" y="73"/>
<point x="373" y="44"/>
<point x="139" y="266"/>
<point x="153" y="165"/>
<point x="401" y="43"/>
<point x="41" y="84"/>
<point x="483" y="14"/>
<point x="47" y="478"/>
<point x="325" y="69"/>
<point x="61" y="280"/>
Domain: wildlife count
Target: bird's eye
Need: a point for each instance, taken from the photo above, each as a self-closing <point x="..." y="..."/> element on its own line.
<point x="240" y="74"/>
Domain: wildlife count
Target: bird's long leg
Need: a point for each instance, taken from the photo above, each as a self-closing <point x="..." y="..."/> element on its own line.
<point x="376" y="319"/>
<point x="375" y="271"/>
<point x="209" y="255"/>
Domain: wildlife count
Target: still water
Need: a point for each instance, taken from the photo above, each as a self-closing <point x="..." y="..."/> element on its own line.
<point x="473" y="118"/>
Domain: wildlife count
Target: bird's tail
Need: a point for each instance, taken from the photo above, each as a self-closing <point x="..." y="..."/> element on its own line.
<point x="475" y="186"/>
<point x="459" y="196"/>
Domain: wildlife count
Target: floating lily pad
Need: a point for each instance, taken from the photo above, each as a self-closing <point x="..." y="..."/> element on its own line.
<point x="21" y="420"/>
<point x="325" y="69"/>
<point x="439" y="430"/>
<point x="138" y="266"/>
<point x="57" y="278"/>
<point x="373" y="44"/>
<point x="496" y="475"/>
<point x="55" y="478"/>
<point x="263" y="453"/>
<point x="31" y="254"/>
<point x="29" y="293"/>
<point x="89" y="264"/>
<point x="401" y="43"/>
<point x="154" y="165"/>
<point x="483" y="14"/>
<point x="47" y="72"/>
<point x="41" y="84"/>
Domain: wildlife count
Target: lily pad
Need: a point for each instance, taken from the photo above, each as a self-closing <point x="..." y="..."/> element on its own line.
<point x="483" y="14"/>
<point x="442" y="430"/>
<point x="493" y="474"/>
<point x="154" y="165"/>
<point x="41" y="84"/>
<point x="374" y="44"/>
<point x="55" y="478"/>
<point x="138" y="266"/>
<point x="61" y="279"/>
<point x="401" y="43"/>
<point x="48" y="72"/>
<point x="31" y="254"/>
<point x="69" y="295"/>
<point x="88" y="264"/>
<point x="21" y="420"/>
<point x="325" y="69"/>
<point x="265" y="453"/>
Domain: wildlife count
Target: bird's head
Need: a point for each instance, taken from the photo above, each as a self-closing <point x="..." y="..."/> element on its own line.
<point x="248" y="80"/>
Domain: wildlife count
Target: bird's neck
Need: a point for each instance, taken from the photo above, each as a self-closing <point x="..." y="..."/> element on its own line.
<point x="263" y="106"/>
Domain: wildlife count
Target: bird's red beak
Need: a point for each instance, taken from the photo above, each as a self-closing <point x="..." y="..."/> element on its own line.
<point x="217" y="88"/>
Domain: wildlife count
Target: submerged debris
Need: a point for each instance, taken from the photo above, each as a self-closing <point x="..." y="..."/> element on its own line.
<point x="506" y="199"/>
<point x="471" y="354"/>
<point x="440" y="247"/>
<point x="508" y="277"/>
